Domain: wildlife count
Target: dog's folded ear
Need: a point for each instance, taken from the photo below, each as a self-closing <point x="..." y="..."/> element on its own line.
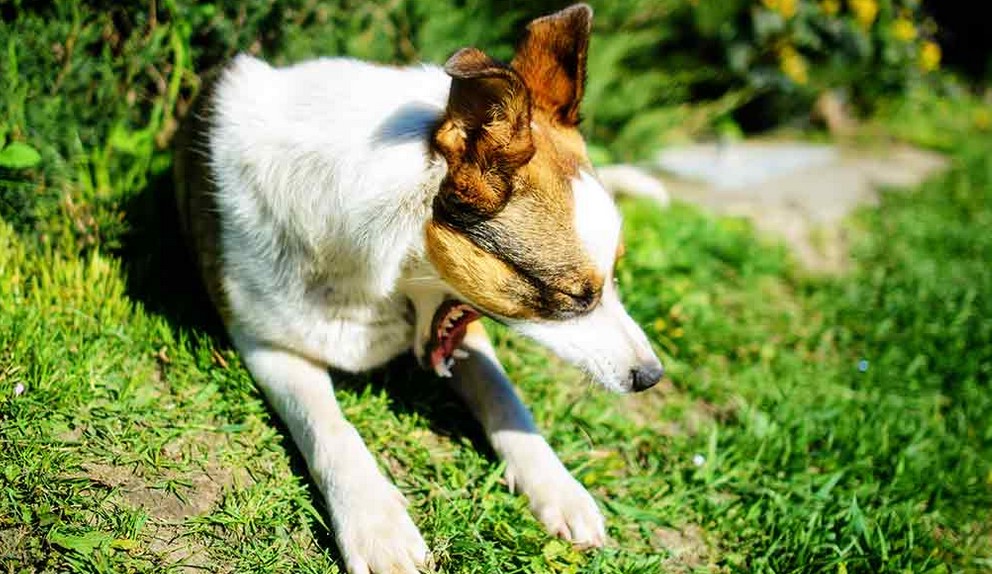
<point x="485" y="134"/>
<point x="551" y="59"/>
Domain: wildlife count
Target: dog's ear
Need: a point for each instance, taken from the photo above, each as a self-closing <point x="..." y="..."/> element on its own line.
<point x="485" y="134"/>
<point x="551" y="59"/>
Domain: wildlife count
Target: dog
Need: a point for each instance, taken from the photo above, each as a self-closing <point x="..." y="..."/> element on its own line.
<point x="344" y="213"/>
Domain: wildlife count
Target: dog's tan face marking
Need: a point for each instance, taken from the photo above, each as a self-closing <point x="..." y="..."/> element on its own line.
<point x="528" y="260"/>
<point x="504" y="232"/>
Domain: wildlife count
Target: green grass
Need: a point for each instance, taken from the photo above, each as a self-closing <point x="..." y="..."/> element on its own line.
<point x="810" y="424"/>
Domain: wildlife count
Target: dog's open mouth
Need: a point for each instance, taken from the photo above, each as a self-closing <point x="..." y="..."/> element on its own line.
<point x="448" y="329"/>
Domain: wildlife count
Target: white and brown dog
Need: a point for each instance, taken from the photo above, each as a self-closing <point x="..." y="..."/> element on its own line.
<point x="344" y="213"/>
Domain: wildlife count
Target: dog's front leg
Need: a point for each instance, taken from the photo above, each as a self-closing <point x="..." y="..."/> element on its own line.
<point x="373" y="530"/>
<point x="532" y="468"/>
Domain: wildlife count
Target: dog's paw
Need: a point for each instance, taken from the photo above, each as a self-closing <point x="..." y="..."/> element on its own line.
<point x="377" y="536"/>
<point x="565" y="508"/>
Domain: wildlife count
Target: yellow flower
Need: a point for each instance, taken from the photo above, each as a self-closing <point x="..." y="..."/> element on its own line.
<point x="793" y="65"/>
<point x="904" y="30"/>
<point x="830" y="7"/>
<point x="983" y="119"/>
<point x="864" y="11"/>
<point x="929" y="56"/>
<point x="787" y="8"/>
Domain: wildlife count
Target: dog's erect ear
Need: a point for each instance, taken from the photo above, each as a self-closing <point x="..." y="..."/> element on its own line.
<point x="551" y="58"/>
<point x="485" y="135"/>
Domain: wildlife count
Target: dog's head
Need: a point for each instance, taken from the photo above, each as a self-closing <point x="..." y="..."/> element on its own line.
<point x="521" y="228"/>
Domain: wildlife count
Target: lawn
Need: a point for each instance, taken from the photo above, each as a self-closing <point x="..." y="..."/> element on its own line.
<point x="808" y="423"/>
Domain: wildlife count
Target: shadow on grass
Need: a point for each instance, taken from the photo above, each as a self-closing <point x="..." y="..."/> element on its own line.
<point x="162" y="277"/>
<point x="159" y="269"/>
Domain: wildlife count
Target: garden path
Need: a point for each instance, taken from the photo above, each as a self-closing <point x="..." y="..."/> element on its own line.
<point x="797" y="190"/>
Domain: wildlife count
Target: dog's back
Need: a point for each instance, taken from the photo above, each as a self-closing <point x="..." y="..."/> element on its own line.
<point x="316" y="155"/>
<point x="303" y="192"/>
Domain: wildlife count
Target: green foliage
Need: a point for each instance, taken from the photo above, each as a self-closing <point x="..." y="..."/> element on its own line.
<point x="927" y="119"/>
<point x="17" y="155"/>
<point x="795" y="49"/>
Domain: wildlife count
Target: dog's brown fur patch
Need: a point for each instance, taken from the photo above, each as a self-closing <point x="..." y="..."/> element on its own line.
<point x="480" y="276"/>
<point x="503" y="232"/>
<point x="551" y="59"/>
<point x="485" y="136"/>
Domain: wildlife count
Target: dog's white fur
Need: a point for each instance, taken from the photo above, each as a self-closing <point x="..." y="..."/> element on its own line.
<point x="324" y="185"/>
<point x="307" y="183"/>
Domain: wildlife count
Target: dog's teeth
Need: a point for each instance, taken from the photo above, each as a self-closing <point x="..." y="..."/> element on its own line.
<point x="459" y="354"/>
<point x="449" y="363"/>
<point x="456" y="314"/>
<point x="443" y="369"/>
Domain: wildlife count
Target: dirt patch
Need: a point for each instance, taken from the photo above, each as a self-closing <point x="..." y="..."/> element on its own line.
<point x="688" y="549"/>
<point x="169" y="497"/>
<point x="180" y="551"/>
<point x="192" y="494"/>
<point x="72" y="435"/>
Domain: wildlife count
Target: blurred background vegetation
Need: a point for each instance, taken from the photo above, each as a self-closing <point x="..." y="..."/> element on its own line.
<point x="110" y="79"/>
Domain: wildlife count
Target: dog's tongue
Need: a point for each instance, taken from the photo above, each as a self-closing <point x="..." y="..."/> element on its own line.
<point x="447" y="332"/>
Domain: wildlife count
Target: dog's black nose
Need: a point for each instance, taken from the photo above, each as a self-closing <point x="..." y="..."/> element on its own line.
<point x="646" y="376"/>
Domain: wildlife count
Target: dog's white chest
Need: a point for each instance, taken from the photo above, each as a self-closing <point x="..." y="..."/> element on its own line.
<point x="363" y="335"/>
